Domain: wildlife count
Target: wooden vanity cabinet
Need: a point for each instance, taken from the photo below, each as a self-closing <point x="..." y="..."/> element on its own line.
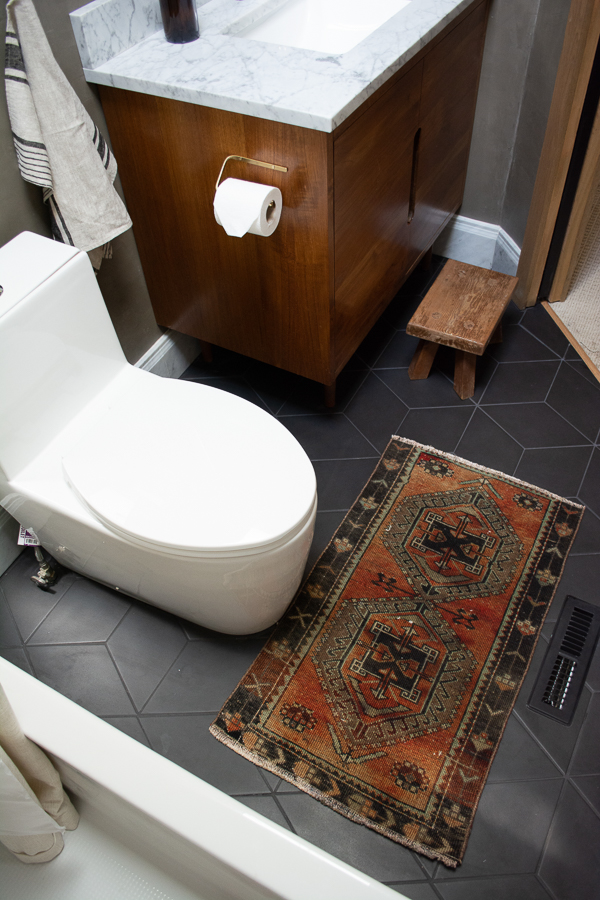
<point x="361" y="207"/>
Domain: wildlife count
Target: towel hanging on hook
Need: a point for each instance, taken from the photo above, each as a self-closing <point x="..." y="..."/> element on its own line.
<point x="58" y="146"/>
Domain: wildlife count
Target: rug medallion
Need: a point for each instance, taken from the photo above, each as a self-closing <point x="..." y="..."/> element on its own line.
<point x="385" y="689"/>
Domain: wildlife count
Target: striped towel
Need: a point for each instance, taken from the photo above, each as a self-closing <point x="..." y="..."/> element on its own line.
<point x="58" y="146"/>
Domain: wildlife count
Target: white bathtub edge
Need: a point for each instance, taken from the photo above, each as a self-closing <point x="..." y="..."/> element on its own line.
<point x="264" y="852"/>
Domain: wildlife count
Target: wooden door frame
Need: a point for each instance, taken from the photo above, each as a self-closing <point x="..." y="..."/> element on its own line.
<point x="574" y="68"/>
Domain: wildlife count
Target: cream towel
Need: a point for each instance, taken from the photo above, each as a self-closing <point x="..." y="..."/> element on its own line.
<point x="58" y="146"/>
<point x="34" y="809"/>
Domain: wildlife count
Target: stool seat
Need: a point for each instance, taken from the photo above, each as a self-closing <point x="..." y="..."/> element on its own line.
<point x="462" y="309"/>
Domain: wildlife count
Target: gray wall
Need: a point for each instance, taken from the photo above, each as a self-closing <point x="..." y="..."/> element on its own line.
<point x="521" y="57"/>
<point x="522" y="51"/>
<point x="21" y="208"/>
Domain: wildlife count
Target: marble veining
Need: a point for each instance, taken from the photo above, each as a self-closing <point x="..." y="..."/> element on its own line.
<point x="121" y="43"/>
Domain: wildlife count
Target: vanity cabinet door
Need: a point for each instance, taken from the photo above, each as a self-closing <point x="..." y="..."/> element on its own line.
<point x="372" y="166"/>
<point x="450" y="82"/>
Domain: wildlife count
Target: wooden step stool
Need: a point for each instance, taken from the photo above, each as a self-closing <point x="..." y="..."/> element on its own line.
<point x="462" y="309"/>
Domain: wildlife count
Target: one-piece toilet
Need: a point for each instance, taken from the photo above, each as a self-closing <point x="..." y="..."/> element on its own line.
<point x="179" y="494"/>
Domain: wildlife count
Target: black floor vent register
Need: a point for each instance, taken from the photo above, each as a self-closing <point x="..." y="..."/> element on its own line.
<point x="562" y="674"/>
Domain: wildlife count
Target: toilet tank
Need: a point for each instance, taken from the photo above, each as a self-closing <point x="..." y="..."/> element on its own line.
<point x="58" y="348"/>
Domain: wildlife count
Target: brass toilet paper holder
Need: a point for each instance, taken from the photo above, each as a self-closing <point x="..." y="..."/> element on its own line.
<point x="253" y="162"/>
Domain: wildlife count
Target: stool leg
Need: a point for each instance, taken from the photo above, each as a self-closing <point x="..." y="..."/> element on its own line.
<point x="496" y="338"/>
<point x="464" y="374"/>
<point x="420" y="365"/>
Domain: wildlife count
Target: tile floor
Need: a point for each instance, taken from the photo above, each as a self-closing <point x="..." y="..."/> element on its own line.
<point x="536" y="415"/>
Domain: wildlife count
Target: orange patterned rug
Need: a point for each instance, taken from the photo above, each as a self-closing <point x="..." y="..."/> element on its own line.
<point x="385" y="689"/>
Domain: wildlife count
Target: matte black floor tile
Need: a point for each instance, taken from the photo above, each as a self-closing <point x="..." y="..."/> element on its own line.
<point x="9" y="633"/>
<point x="589" y="786"/>
<point x="329" y="437"/>
<point x="398" y="353"/>
<point x="580" y="578"/>
<point x="267" y="807"/>
<point x="512" y="314"/>
<point x="225" y="363"/>
<point x="539" y="323"/>
<point x="441" y="428"/>
<point x="186" y="740"/>
<point x="84" y="673"/>
<point x="507" y="887"/>
<point x="86" y="613"/>
<point x="519" y="345"/>
<point x="575" y="398"/>
<point x="587" y="539"/>
<point x="486" y="443"/>
<point x="307" y="396"/>
<point x="273" y="386"/>
<point x="377" y="412"/>
<point x="593" y="675"/>
<point x="203" y="676"/>
<point x="415" y="891"/>
<point x="575" y="361"/>
<point x="590" y="486"/>
<point x="586" y="757"/>
<point x="372" y="346"/>
<point x="339" y="482"/>
<point x="29" y="605"/>
<point x="527" y="381"/>
<point x="510" y="828"/>
<point x="536" y="425"/>
<point x="359" y="846"/>
<point x="571" y="864"/>
<point x="434" y="391"/>
<point x="402" y="309"/>
<point x="558" y="470"/>
<point x="239" y="387"/>
<point x="519" y="757"/>
<point x="144" y="646"/>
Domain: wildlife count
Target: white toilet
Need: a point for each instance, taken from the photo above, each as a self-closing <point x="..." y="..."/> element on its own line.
<point x="176" y="493"/>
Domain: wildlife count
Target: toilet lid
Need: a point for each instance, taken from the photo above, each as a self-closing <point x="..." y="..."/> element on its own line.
<point x="191" y="468"/>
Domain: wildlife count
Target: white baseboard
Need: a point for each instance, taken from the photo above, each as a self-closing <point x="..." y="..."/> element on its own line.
<point x="479" y="244"/>
<point x="9" y="549"/>
<point x="170" y="355"/>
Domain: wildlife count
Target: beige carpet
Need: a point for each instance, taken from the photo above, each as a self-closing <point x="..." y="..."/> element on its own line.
<point x="580" y="312"/>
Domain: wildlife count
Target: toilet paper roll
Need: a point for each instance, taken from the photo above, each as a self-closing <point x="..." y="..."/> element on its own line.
<point x="243" y="207"/>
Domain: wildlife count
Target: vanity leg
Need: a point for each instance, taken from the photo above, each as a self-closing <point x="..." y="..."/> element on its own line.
<point x="329" y="395"/>
<point x="427" y="259"/>
<point x="206" y="351"/>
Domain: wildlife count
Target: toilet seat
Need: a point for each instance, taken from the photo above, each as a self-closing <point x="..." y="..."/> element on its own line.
<point x="191" y="470"/>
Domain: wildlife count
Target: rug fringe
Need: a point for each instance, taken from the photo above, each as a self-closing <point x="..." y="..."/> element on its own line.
<point x="222" y="736"/>
<point x="480" y="468"/>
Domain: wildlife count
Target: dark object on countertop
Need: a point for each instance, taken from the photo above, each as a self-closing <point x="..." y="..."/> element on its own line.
<point x="180" y="20"/>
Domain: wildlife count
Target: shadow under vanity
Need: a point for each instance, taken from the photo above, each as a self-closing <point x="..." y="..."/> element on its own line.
<point x="362" y="205"/>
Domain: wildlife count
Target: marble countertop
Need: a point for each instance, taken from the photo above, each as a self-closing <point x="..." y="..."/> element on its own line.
<point x="121" y="43"/>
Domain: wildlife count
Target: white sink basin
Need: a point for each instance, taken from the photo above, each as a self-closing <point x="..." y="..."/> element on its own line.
<point x="327" y="26"/>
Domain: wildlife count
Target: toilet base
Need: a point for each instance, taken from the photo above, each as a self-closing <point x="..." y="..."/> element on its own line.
<point x="237" y="594"/>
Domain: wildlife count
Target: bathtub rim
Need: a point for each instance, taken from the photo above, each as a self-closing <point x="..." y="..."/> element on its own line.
<point x="265" y="853"/>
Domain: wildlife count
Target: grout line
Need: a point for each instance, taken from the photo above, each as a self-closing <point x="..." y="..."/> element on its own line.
<point x="149" y="698"/>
